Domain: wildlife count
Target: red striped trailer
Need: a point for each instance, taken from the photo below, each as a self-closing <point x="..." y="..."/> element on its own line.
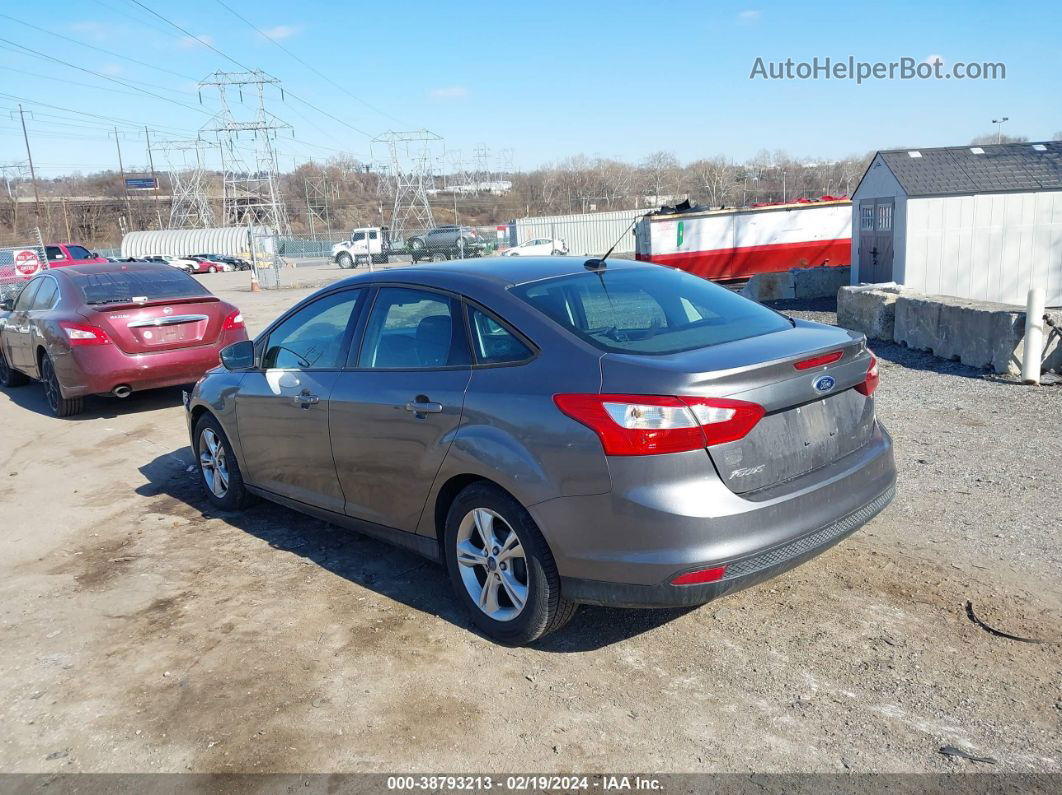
<point x="737" y="243"/>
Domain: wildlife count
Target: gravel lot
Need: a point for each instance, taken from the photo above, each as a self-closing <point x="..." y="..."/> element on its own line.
<point x="141" y="631"/>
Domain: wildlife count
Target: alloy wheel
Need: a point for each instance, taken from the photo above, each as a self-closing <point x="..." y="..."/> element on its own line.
<point x="52" y="392"/>
<point x="212" y="463"/>
<point x="492" y="564"/>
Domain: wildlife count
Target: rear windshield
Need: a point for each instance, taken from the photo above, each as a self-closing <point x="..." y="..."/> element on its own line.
<point x="161" y="284"/>
<point x="654" y="310"/>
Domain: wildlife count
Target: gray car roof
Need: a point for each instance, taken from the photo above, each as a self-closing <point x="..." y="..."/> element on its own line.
<point x="496" y="271"/>
<point x="996" y="168"/>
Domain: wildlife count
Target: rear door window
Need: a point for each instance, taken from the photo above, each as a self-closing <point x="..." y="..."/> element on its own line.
<point x="654" y="310"/>
<point x="492" y="342"/>
<point x="25" y="298"/>
<point x="46" y="295"/>
<point x="54" y="253"/>
<point x="414" y="329"/>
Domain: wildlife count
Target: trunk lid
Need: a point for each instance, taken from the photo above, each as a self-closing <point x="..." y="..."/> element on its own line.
<point x="161" y="325"/>
<point x="809" y="423"/>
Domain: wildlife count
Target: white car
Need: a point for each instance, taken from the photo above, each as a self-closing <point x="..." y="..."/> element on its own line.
<point x="542" y="247"/>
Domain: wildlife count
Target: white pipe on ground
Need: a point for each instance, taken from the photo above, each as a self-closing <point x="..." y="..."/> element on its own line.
<point x="1034" y="336"/>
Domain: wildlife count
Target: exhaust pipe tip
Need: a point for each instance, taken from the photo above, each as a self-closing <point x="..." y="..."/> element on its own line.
<point x="122" y="391"/>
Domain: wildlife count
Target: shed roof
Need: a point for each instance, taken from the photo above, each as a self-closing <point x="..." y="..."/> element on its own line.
<point x="988" y="168"/>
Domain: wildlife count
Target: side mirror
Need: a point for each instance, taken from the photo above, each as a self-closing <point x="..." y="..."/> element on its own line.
<point x="7" y="305"/>
<point x="238" y="356"/>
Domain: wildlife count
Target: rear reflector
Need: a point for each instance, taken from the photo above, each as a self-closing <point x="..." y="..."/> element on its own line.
<point x="871" y="383"/>
<point x="233" y="321"/>
<point x="700" y="576"/>
<point x="818" y="361"/>
<point x="84" y="334"/>
<point x="654" y="424"/>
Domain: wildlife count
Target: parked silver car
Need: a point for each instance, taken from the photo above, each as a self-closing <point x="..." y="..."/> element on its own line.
<point x="554" y="431"/>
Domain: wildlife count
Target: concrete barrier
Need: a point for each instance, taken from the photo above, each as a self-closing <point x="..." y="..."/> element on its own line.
<point x="868" y="309"/>
<point x="798" y="283"/>
<point x="977" y="333"/>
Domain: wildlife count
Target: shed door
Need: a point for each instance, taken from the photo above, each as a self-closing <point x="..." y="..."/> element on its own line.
<point x="876" y="240"/>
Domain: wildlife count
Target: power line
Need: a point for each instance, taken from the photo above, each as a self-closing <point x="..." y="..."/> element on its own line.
<point x="312" y="68"/>
<point x="109" y="119"/>
<point x="103" y="76"/>
<point x="248" y="69"/>
<point x="84" y="85"/>
<point x="94" y="47"/>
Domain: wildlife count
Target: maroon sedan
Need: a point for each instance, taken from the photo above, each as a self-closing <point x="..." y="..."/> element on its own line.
<point x="112" y="329"/>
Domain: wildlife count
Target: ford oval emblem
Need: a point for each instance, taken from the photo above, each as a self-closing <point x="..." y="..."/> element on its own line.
<point x="824" y="383"/>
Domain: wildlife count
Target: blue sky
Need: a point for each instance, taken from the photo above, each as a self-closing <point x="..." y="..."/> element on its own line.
<point x="546" y="79"/>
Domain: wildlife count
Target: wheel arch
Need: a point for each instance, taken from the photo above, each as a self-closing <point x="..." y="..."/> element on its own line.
<point x="448" y="492"/>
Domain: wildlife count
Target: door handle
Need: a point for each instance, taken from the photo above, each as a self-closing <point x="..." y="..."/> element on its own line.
<point x="424" y="407"/>
<point x="304" y="399"/>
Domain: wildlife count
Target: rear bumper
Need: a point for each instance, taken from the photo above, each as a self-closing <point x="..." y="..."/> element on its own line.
<point x="625" y="547"/>
<point x="740" y="574"/>
<point x="98" y="370"/>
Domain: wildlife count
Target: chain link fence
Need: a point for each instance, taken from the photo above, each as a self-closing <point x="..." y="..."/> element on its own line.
<point x="19" y="264"/>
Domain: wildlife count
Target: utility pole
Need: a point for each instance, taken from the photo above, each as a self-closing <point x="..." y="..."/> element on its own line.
<point x="33" y="173"/>
<point x="66" y="219"/>
<point x="121" y="170"/>
<point x="151" y="162"/>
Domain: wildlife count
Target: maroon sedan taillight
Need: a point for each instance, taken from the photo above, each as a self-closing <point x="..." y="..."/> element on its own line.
<point x="233" y="321"/>
<point x="84" y="334"/>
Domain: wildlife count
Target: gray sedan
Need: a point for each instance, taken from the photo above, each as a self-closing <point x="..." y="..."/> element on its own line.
<point x="554" y="431"/>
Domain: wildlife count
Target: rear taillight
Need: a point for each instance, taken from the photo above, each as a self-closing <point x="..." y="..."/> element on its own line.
<point x="84" y="334"/>
<point x="653" y="424"/>
<point x="871" y="382"/>
<point x="233" y="321"/>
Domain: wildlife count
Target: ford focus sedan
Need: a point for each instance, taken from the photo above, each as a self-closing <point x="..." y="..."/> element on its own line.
<point x="554" y="431"/>
<point x="112" y="329"/>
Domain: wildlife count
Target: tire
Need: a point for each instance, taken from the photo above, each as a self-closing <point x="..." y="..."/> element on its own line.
<point x="439" y="257"/>
<point x="531" y="573"/>
<point x="557" y="253"/>
<point x="344" y="261"/>
<point x="214" y="455"/>
<point x="9" y="376"/>
<point x="53" y="392"/>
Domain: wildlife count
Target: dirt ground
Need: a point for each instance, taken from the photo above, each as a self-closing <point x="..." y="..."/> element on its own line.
<point x="142" y="631"/>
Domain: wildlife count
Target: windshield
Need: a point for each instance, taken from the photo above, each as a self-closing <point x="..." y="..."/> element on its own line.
<point x="162" y="284"/>
<point x="653" y="310"/>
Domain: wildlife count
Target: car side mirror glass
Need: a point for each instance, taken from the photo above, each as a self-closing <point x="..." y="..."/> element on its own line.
<point x="7" y="305"/>
<point x="238" y="356"/>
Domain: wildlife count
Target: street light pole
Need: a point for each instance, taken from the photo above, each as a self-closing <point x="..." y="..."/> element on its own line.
<point x="999" y="127"/>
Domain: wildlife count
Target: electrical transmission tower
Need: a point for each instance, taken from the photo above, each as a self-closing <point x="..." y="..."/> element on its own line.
<point x="190" y="203"/>
<point x="318" y="215"/>
<point x="410" y="179"/>
<point x="251" y="183"/>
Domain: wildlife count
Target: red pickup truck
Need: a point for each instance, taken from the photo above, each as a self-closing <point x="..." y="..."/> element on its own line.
<point x="60" y="254"/>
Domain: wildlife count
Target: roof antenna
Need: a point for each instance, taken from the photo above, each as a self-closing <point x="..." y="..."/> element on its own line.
<point x="598" y="263"/>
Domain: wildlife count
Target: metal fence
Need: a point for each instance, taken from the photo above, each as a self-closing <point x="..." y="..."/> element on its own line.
<point x="585" y="234"/>
<point x="18" y="264"/>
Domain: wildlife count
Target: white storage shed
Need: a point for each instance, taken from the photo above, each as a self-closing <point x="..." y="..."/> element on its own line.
<point x="230" y="241"/>
<point x="978" y="222"/>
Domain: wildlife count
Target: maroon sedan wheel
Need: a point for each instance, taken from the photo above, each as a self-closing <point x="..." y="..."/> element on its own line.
<point x="53" y="393"/>
<point x="9" y="376"/>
